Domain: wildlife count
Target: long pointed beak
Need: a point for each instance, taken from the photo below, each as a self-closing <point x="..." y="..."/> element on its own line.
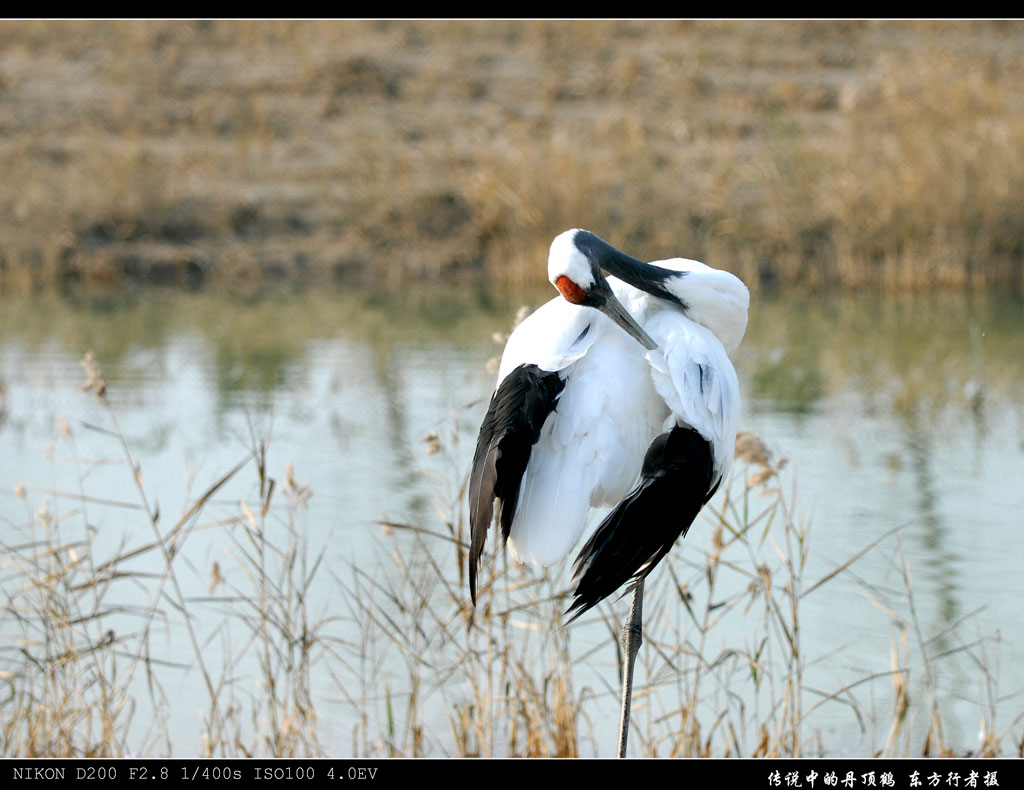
<point x="613" y="308"/>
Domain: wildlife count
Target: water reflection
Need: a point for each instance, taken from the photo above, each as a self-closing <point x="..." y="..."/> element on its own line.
<point x="894" y="412"/>
<point x="932" y="530"/>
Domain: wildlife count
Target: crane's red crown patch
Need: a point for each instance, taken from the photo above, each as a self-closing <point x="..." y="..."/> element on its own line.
<point x="570" y="290"/>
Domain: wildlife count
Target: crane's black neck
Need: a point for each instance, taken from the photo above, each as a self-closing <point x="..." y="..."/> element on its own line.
<point x="644" y="276"/>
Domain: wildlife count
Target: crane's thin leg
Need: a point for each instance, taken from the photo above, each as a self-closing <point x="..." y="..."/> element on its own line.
<point x="632" y="638"/>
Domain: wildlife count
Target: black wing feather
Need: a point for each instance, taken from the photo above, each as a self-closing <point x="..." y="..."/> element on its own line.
<point x="511" y="427"/>
<point x="677" y="478"/>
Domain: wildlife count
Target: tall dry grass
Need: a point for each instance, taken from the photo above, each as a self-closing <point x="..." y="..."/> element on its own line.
<point x="99" y="632"/>
<point x="102" y="634"/>
<point x="726" y="656"/>
<point x="816" y="153"/>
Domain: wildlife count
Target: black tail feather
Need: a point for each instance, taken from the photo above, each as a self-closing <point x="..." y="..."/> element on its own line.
<point x="677" y="478"/>
<point x="511" y="427"/>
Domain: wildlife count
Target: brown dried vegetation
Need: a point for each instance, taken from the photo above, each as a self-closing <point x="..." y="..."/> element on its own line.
<point x="881" y="154"/>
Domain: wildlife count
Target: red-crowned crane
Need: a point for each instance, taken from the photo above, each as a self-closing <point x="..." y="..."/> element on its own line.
<point x="587" y="415"/>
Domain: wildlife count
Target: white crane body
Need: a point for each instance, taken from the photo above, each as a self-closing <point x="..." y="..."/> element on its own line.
<point x="586" y="415"/>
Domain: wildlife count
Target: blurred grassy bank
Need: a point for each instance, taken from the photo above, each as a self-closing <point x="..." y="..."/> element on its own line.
<point x="846" y="154"/>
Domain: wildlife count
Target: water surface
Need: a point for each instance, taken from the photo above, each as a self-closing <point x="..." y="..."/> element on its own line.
<point x="891" y="413"/>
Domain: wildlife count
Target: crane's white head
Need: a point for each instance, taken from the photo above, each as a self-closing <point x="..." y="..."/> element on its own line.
<point x="577" y="276"/>
<point x="569" y="269"/>
<point x="579" y="261"/>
